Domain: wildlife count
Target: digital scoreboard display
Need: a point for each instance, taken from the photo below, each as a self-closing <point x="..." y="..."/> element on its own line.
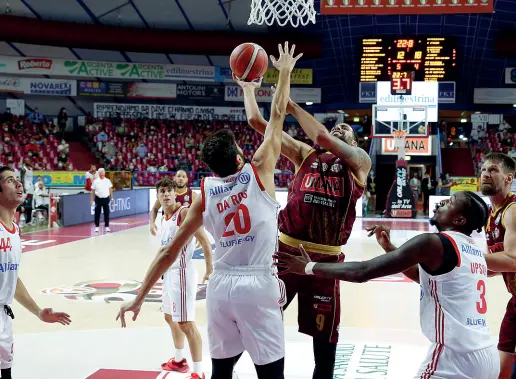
<point x="401" y="82"/>
<point x="430" y="58"/>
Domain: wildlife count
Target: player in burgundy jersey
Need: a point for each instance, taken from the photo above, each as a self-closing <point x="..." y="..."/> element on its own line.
<point x="319" y="214"/>
<point x="495" y="181"/>
<point x="184" y="196"/>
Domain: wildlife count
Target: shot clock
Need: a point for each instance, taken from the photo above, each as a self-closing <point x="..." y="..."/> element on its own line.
<point x="430" y="58"/>
<point x="401" y="82"/>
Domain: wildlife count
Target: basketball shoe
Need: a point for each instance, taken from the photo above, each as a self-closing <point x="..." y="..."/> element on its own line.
<point x="196" y="376"/>
<point x="173" y="365"/>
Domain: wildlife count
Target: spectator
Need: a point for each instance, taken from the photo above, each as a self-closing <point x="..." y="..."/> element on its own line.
<point x="36" y="117"/>
<point x="102" y="192"/>
<point x="101" y="138"/>
<point x="371" y="188"/>
<point x="426" y="189"/>
<point x="415" y="184"/>
<point x="41" y="197"/>
<point x="62" y="119"/>
<point x="141" y="150"/>
<point x="89" y="119"/>
<point x="506" y="140"/>
<point x="163" y="168"/>
<point x="109" y="151"/>
<point x="7" y="117"/>
<point x="63" y="147"/>
<point x="62" y="160"/>
<point x="444" y="185"/>
<point x="504" y="127"/>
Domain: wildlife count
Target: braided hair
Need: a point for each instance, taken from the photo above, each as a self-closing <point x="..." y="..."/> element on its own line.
<point x="475" y="211"/>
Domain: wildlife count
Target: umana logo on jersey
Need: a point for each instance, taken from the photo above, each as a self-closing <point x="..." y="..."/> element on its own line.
<point x="329" y="185"/>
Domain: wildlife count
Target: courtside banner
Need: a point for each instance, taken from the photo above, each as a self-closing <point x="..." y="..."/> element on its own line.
<point x="101" y="89"/>
<point x="54" y="87"/>
<point x="151" y="91"/>
<point x="264" y="95"/>
<point x="76" y="209"/>
<point x="11" y="85"/>
<point x="61" y="178"/>
<point x="419" y="7"/>
<point x="164" y="112"/>
<point x="103" y="69"/>
<point x="298" y="76"/>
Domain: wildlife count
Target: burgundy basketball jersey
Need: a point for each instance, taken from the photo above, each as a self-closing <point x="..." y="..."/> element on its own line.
<point x="185" y="198"/>
<point x="321" y="202"/>
<point x="495" y="233"/>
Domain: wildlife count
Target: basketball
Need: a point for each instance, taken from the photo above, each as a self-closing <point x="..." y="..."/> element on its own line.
<point x="248" y="62"/>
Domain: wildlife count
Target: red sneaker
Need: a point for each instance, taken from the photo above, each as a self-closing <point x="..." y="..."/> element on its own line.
<point x="196" y="376"/>
<point x="173" y="365"/>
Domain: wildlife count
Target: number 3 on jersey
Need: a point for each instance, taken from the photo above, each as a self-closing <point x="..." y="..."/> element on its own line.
<point x="241" y="221"/>
<point x="482" y="304"/>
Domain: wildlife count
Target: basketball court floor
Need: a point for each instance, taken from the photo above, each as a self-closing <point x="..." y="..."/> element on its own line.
<point x="88" y="275"/>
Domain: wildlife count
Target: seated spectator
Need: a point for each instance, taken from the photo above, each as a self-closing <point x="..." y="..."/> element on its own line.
<point x="63" y="147"/>
<point x="102" y="137"/>
<point x="41" y="197"/>
<point x="109" y="150"/>
<point x="141" y="150"/>
<point x="62" y="160"/>
<point x="506" y="140"/>
<point x="35" y="117"/>
<point x="163" y="168"/>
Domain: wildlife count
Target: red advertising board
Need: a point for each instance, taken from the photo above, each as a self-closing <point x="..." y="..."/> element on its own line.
<point x="384" y="7"/>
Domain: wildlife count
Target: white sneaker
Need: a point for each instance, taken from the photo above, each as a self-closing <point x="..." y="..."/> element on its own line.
<point x="107" y="229"/>
<point x="97" y="229"/>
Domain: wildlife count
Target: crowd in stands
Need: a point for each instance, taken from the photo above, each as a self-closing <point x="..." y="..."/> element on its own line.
<point x="33" y="138"/>
<point x="152" y="148"/>
<point x="497" y="138"/>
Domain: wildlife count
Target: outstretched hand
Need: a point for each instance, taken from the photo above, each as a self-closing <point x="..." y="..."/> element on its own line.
<point x="293" y="263"/>
<point x="128" y="307"/>
<point x="257" y="83"/>
<point x="286" y="58"/>
<point x="383" y="235"/>
<point x="48" y="315"/>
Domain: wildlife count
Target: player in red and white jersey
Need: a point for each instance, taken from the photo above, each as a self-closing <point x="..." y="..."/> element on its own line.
<point x="244" y="297"/>
<point x="180" y="282"/>
<point x="495" y="181"/>
<point x="452" y="272"/>
<point x="11" y="286"/>
<point x="184" y="196"/>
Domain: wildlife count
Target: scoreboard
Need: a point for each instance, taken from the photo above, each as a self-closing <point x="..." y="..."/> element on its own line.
<point x="430" y="58"/>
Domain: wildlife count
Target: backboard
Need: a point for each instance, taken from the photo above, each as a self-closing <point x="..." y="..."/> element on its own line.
<point x="409" y="118"/>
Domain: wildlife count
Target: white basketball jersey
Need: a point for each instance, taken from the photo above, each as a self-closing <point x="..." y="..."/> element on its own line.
<point x="242" y="218"/>
<point x="169" y="228"/>
<point x="10" y="255"/>
<point x="453" y="306"/>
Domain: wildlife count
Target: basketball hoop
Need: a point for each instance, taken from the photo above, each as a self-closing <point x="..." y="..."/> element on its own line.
<point x="298" y="12"/>
<point x="399" y="142"/>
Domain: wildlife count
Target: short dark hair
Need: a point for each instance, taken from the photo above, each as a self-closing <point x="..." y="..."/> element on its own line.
<point x="166" y="182"/>
<point x="476" y="212"/>
<point x="220" y="152"/>
<point x="2" y="170"/>
<point x="508" y="164"/>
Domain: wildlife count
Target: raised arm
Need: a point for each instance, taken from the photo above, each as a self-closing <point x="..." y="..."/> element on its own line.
<point x="294" y="150"/>
<point x="424" y="248"/>
<point x="165" y="258"/>
<point x="354" y="156"/>
<point x="267" y="155"/>
<point x="505" y="261"/>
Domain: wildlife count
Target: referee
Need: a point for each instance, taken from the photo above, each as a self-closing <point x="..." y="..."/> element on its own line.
<point x="101" y="193"/>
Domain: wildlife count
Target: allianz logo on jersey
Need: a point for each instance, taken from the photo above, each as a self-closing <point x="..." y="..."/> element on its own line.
<point x="167" y="241"/>
<point x="221" y="189"/>
<point x="8" y="266"/>
<point x="471" y="250"/>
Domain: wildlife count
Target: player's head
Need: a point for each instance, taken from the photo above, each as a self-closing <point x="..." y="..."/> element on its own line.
<point x="464" y="211"/>
<point x="181" y="179"/>
<point x="345" y="133"/>
<point x="221" y="153"/>
<point x="166" y="189"/>
<point x="497" y="174"/>
<point x="11" y="190"/>
<point x="102" y="173"/>
<point x="93" y="168"/>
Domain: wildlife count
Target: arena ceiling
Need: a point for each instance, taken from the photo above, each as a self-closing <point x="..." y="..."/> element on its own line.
<point x="336" y="72"/>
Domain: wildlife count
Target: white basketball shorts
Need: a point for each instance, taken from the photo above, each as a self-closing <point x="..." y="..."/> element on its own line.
<point x="6" y="340"/>
<point x="445" y="363"/>
<point x="245" y="312"/>
<point x="179" y="293"/>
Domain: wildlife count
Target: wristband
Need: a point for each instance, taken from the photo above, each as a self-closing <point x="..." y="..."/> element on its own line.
<point x="309" y="268"/>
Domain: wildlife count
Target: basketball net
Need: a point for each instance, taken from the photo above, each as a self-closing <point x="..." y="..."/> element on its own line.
<point x="298" y="12"/>
<point x="399" y="142"/>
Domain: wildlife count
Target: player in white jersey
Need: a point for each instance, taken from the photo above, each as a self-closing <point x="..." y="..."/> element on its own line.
<point x="452" y="272"/>
<point x="244" y="297"/>
<point x="11" y="286"/>
<point x="180" y="282"/>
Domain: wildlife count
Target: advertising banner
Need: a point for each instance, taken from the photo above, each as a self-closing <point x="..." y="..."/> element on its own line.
<point x="151" y="91"/>
<point x="367" y="92"/>
<point x="54" y="87"/>
<point x="61" y="178"/>
<point x="11" y="85"/>
<point x="464" y="183"/>
<point x="200" y="92"/>
<point x="223" y="75"/>
<point x="413" y="146"/>
<point x="101" y="89"/>
<point x="264" y="95"/>
<point x="76" y="209"/>
<point x="103" y="69"/>
<point x="400" y="200"/>
<point x="17" y="106"/>
<point x="510" y="75"/>
<point x="165" y="112"/>
<point x="298" y="76"/>
<point x="420" y="7"/>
